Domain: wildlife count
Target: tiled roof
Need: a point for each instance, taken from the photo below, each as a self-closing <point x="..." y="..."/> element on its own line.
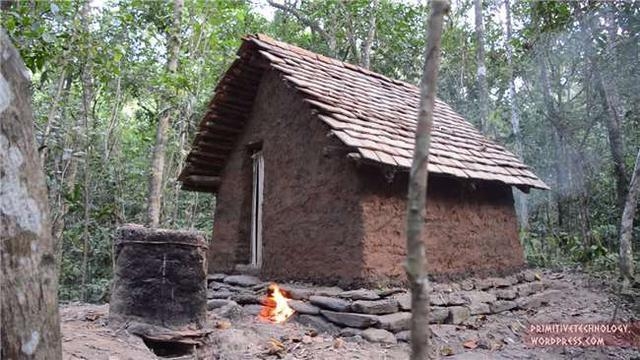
<point x="369" y="112"/>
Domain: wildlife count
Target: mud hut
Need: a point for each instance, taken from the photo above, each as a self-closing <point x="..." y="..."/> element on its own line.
<point x="309" y="159"/>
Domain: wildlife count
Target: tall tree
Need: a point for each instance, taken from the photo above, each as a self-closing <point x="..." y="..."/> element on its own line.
<point x="416" y="265"/>
<point x="483" y="88"/>
<point x="626" y="225"/>
<point x="29" y="280"/>
<point x="521" y="198"/>
<point x="154" y="200"/>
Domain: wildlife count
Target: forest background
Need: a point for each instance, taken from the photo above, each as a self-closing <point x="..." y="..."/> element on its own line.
<point x="120" y="86"/>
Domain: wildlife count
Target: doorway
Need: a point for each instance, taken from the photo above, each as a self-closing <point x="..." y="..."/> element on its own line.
<point x="256" y="209"/>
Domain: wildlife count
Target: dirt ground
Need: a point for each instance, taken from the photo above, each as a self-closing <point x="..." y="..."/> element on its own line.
<point x="574" y="297"/>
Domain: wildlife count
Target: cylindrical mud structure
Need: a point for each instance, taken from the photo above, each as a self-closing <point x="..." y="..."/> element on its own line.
<point x="160" y="277"/>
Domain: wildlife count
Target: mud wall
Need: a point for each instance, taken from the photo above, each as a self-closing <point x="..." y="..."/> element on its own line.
<point x="471" y="228"/>
<point x="312" y="226"/>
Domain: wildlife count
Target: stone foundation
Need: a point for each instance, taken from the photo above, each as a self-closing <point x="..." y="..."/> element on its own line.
<point x="383" y="314"/>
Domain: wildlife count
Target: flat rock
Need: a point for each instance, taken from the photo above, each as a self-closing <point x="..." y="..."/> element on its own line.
<point x="536" y="300"/>
<point x="439" y="298"/>
<point x="328" y="291"/>
<point x="506" y="294"/>
<point x="444" y="287"/>
<point x="404" y="301"/>
<point x="480" y="297"/>
<point x="304" y="307"/>
<point x="504" y="281"/>
<point x="536" y="286"/>
<point x="317" y="322"/>
<point x="242" y="280"/>
<point x="230" y="311"/>
<point x="437" y="314"/>
<point x="247" y="299"/>
<point x="458" y="298"/>
<point x="458" y="314"/>
<point x="379" y="336"/>
<point x="349" y="332"/>
<point x="217" y="303"/>
<point x="479" y="309"/>
<point x="502" y="305"/>
<point x="483" y="284"/>
<point x="215" y="285"/>
<point x="391" y="291"/>
<point x="376" y="307"/>
<point x="351" y="319"/>
<point x="529" y="275"/>
<point x="395" y="322"/>
<point x="216" y="277"/>
<point x="360" y="294"/>
<point x="298" y="293"/>
<point x="252" y="309"/>
<point x="524" y="289"/>
<point x="467" y="285"/>
<point x="219" y="294"/>
<point x="329" y="303"/>
<point x="404" y="336"/>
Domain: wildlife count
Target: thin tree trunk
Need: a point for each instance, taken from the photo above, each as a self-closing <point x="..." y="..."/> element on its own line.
<point x="626" y="224"/>
<point x="29" y="280"/>
<point x="416" y="265"/>
<point x="53" y="110"/>
<point x="371" y="34"/>
<point x="154" y="202"/>
<point x="483" y="92"/>
<point x="520" y="197"/>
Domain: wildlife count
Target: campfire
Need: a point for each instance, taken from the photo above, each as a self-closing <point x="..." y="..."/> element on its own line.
<point x="275" y="308"/>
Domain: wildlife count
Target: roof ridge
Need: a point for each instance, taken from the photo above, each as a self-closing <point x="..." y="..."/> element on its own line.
<point x="296" y="49"/>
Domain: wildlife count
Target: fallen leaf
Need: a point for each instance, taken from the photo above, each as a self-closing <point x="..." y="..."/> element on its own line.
<point x="537" y="276"/>
<point x="447" y="351"/>
<point x="338" y="343"/>
<point x="470" y="344"/>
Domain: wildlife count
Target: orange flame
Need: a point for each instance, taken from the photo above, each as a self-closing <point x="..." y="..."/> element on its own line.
<point x="275" y="308"/>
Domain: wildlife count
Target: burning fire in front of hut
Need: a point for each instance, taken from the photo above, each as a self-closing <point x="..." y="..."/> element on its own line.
<point x="275" y="308"/>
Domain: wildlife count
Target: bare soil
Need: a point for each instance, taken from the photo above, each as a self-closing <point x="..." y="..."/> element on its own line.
<point x="574" y="297"/>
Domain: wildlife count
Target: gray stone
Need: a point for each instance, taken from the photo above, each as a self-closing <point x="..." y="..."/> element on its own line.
<point x="329" y="303"/>
<point x="439" y="298"/>
<point x="444" y="287"/>
<point x="536" y="300"/>
<point x="242" y="280"/>
<point x="350" y="319"/>
<point x="458" y="314"/>
<point x="391" y="291"/>
<point x="360" y="294"/>
<point x="304" y="307"/>
<point x="506" y="294"/>
<point x="437" y="314"/>
<point x="229" y="311"/>
<point x="246" y="299"/>
<point x="536" y="286"/>
<point x="524" y="289"/>
<point x="502" y="305"/>
<point x="379" y="336"/>
<point x="349" y="332"/>
<point x="480" y="297"/>
<point x="395" y="322"/>
<point x="328" y="291"/>
<point x="217" y="303"/>
<point x="260" y="287"/>
<point x="483" y="284"/>
<point x="529" y="276"/>
<point x="252" y="309"/>
<point x="219" y="294"/>
<point x="458" y="298"/>
<point x="216" y="277"/>
<point x="214" y="285"/>
<point x="376" y="307"/>
<point x="504" y="281"/>
<point x="479" y="309"/>
<point x="404" y="336"/>
<point x="466" y="284"/>
<point x="298" y="293"/>
<point x="317" y="322"/>
<point x="404" y="301"/>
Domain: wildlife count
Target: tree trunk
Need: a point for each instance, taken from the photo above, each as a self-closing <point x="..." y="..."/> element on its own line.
<point x="416" y="265"/>
<point x="483" y="92"/>
<point x="29" y="278"/>
<point x="520" y="197"/>
<point x="154" y="201"/>
<point x="626" y="225"/>
<point x="371" y="34"/>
